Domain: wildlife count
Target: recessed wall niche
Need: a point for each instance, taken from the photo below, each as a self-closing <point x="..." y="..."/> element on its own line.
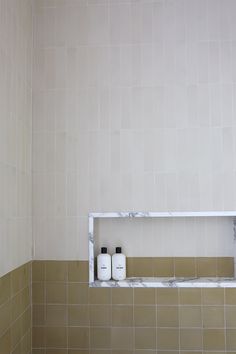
<point x="189" y="245"/>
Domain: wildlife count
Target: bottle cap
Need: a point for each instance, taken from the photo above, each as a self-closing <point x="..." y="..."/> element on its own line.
<point x="104" y="250"/>
<point x="118" y="249"/>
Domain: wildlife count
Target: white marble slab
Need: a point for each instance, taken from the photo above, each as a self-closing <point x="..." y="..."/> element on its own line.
<point x="167" y="283"/>
<point x="164" y="214"/>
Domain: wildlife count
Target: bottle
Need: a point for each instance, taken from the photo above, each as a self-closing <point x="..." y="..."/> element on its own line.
<point x="104" y="265"/>
<point x="118" y="265"/>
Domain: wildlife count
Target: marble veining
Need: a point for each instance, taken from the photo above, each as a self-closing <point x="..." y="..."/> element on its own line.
<point x="157" y="282"/>
<point x="167" y="283"/>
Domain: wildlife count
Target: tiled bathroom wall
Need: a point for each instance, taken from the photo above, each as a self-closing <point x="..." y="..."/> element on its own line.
<point x="134" y="109"/>
<point x="71" y="318"/>
<point x="15" y="133"/>
<point x="15" y="311"/>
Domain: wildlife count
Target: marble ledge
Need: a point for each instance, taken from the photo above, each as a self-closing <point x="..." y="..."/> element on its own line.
<point x="167" y="283"/>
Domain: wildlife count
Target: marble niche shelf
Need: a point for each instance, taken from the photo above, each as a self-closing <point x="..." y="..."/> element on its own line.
<point x="157" y="282"/>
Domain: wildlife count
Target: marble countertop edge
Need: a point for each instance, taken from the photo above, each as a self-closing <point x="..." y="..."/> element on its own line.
<point x="167" y="283"/>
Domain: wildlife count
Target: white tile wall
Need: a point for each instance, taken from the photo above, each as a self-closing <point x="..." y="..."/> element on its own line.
<point x="15" y="133"/>
<point x="134" y="109"/>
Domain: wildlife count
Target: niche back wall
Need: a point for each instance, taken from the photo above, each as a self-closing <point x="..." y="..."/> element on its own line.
<point x="134" y="109"/>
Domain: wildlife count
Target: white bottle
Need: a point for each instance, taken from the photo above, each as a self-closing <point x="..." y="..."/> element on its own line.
<point x="104" y="265"/>
<point x="118" y="265"/>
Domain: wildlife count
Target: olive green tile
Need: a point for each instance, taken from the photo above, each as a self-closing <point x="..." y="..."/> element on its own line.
<point x="99" y="296"/>
<point x="122" y="338"/>
<point x="163" y="267"/>
<point x="167" y="339"/>
<point x="190" y="316"/>
<point x="56" y="292"/>
<point x="214" y="352"/>
<point x="144" y="351"/>
<point x="78" y="293"/>
<point x="167" y="316"/>
<point x="185" y="266"/>
<point x="38" y="293"/>
<point x="78" y="271"/>
<point x="56" y="337"/>
<point x="78" y="315"/>
<point x="122" y="315"/>
<point x="20" y="278"/>
<point x="56" y="271"/>
<point x="56" y="315"/>
<point x="78" y="337"/>
<point x="145" y="338"/>
<point x="144" y="316"/>
<point x="38" y="315"/>
<point x="225" y="266"/>
<point x="230" y="296"/>
<point x="100" y="315"/>
<point x="100" y="338"/>
<point x="5" y="288"/>
<point x="230" y="316"/>
<point x="25" y="343"/>
<point x="213" y="316"/>
<point x="20" y="302"/>
<point x="190" y="296"/>
<point x="122" y="296"/>
<point x="56" y="351"/>
<point x="214" y="339"/>
<point x="82" y="351"/>
<point x="16" y="308"/>
<point x="5" y="317"/>
<point x="206" y="266"/>
<point x="144" y="296"/>
<point x="5" y="343"/>
<point x="139" y="267"/>
<point x="38" y="337"/>
<point x="26" y="321"/>
<point x="231" y="340"/>
<point x="166" y="296"/>
<point x="38" y="271"/>
<point x="213" y="296"/>
<point x="15" y="332"/>
<point x="191" y="339"/>
<point x="26" y="297"/>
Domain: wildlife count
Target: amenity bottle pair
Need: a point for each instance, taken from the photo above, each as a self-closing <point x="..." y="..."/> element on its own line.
<point x="108" y="266"/>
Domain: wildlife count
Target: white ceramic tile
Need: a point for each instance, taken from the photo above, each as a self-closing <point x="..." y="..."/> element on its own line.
<point x="98" y="30"/>
<point x="98" y="66"/>
<point x="214" y="62"/>
<point x="226" y="19"/>
<point x="15" y="134"/>
<point x="226" y="66"/>
<point x="76" y="25"/>
<point x="44" y="111"/>
<point x="44" y="194"/>
<point x="120" y="13"/>
<point x="227" y="105"/>
<point x="203" y="62"/>
<point x="60" y="194"/>
<point x="133" y="109"/>
<point x="214" y="19"/>
<point x="215" y="104"/>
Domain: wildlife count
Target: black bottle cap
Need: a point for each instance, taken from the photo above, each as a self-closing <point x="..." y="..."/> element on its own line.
<point x="118" y="249"/>
<point x="104" y="250"/>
